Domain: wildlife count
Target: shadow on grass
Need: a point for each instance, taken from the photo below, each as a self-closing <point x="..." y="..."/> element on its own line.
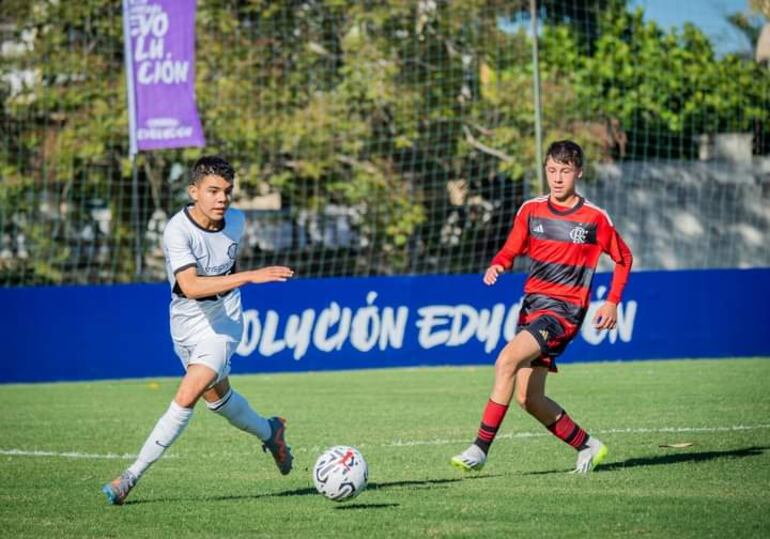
<point x="427" y="483"/>
<point x="353" y="506"/>
<point x="310" y="491"/>
<point x="675" y="458"/>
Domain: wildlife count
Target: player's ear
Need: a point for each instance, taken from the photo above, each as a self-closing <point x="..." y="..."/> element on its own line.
<point x="192" y="191"/>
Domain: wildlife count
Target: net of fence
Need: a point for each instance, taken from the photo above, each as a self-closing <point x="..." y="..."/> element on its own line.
<point x="384" y="137"/>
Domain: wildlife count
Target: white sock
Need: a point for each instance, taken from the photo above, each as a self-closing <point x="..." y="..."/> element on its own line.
<point x="167" y="429"/>
<point x="237" y="411"/>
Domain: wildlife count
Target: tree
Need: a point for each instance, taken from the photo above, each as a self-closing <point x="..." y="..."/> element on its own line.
<point x="414" y="119"/>
<point x="665" y="88"/>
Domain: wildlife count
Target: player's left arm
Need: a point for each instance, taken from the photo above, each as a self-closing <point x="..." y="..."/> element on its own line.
<point x="612" y="244"/>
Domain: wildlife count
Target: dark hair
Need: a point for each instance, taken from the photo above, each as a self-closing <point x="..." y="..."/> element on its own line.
<point x="212" y="165"/>
<point x="565" y="151"/>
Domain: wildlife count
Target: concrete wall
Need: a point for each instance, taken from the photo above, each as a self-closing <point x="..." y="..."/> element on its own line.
<point x="688" y="214"/>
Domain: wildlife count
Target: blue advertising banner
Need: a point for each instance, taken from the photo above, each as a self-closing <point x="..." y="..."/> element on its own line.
<point x="82" y="333"/>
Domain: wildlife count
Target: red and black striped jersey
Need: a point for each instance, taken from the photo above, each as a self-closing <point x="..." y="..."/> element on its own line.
<point x="564" y="246"/>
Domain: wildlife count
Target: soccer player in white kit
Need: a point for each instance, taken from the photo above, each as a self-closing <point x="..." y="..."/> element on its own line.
<point x="200" y="244"/>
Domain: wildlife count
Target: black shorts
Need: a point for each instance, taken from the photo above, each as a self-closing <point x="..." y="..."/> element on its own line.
<point x="553" y="325"/>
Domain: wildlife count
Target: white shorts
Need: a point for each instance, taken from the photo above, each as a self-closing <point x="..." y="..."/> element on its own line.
<point x="214" y="353"/>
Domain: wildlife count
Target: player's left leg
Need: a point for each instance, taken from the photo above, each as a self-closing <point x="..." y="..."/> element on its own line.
<point x="530" y="395"/>
<point x="225" y="401"/>
<point x="513" y="357"/>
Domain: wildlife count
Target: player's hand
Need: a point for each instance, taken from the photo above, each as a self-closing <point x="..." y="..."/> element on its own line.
<point x="606" y="316"/>
<point x="490" y="276"/>
<point x="271" y="274"/>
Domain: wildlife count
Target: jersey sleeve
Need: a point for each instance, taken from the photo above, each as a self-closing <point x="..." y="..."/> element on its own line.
<point x="517" y="241"/>
<point x="177" y="248"/>
<point x="612" y="244"/>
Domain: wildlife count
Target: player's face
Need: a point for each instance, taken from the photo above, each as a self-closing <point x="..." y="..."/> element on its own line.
<point x="561" y="178"/>
<point x="212" y="196"/>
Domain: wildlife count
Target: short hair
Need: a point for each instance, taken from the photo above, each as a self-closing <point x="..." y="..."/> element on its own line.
<point x="565" y="151"/>
<point x="212" y="165"/>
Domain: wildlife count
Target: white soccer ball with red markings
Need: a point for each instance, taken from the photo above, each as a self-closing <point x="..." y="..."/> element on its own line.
<point x="340" y="473"/>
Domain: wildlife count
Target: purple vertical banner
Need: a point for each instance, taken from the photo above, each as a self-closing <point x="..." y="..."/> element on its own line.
<point x="160" y="74"/>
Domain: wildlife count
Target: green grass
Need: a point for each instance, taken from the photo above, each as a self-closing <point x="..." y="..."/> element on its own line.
<point x="215" y="482"/>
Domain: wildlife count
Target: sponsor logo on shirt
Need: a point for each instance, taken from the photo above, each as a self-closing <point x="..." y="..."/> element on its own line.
<point x="216" y="270"/>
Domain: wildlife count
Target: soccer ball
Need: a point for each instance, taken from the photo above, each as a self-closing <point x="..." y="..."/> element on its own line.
<point x="340" y="473"/>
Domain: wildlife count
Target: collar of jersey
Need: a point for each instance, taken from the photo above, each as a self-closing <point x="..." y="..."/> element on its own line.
<point x="194" y="222"/>
<point x="555" y="209"/>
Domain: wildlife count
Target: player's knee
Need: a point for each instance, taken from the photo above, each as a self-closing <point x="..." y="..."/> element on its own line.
<point x="528" y="403"/>
<point x="508" y="362"/>
<point x="504" y="367"/>
<point x="531" y="404"/>
<point x="221" y="405"/>
<point x="186" y="397"/>
<point x="522" y="401"/>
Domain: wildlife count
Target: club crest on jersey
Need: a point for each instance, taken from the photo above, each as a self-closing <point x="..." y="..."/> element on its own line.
<point x="578" y="234"/>
<point x="232" y="251"/>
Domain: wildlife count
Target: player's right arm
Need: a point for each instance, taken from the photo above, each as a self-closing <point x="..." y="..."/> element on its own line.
<point x="195" y="286"/>
<point x="515" y="245"/>
<point x="179" y="253"/>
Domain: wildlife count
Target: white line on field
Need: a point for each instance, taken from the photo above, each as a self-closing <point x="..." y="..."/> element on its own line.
<point x="409" y="443"/>
<point x="400" y="443"/>
<point x="66" y="454"/>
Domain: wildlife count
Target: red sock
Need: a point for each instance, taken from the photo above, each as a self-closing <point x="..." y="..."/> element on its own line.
<point x="567" y="430"/>
<point x="490" y="422"/>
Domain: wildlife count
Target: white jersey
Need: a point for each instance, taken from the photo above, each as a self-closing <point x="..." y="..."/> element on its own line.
<point x="186" y="244"/>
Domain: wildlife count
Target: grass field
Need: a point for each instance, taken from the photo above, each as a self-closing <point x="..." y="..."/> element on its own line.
<point x="60" y="442"/>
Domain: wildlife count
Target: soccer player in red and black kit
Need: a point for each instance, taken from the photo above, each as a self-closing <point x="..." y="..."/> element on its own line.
<point x="564" y="235"/>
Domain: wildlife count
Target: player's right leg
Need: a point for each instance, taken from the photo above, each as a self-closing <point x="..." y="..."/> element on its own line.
<point x="518" y="353"/>
<point x="168" y="428"/>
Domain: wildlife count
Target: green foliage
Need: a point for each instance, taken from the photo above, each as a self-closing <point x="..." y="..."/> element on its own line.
<point x="373" y="106"/>
<point x="670" y="84"/>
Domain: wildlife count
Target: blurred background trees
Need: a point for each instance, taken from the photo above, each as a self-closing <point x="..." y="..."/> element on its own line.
<point x="376" y="137"/>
